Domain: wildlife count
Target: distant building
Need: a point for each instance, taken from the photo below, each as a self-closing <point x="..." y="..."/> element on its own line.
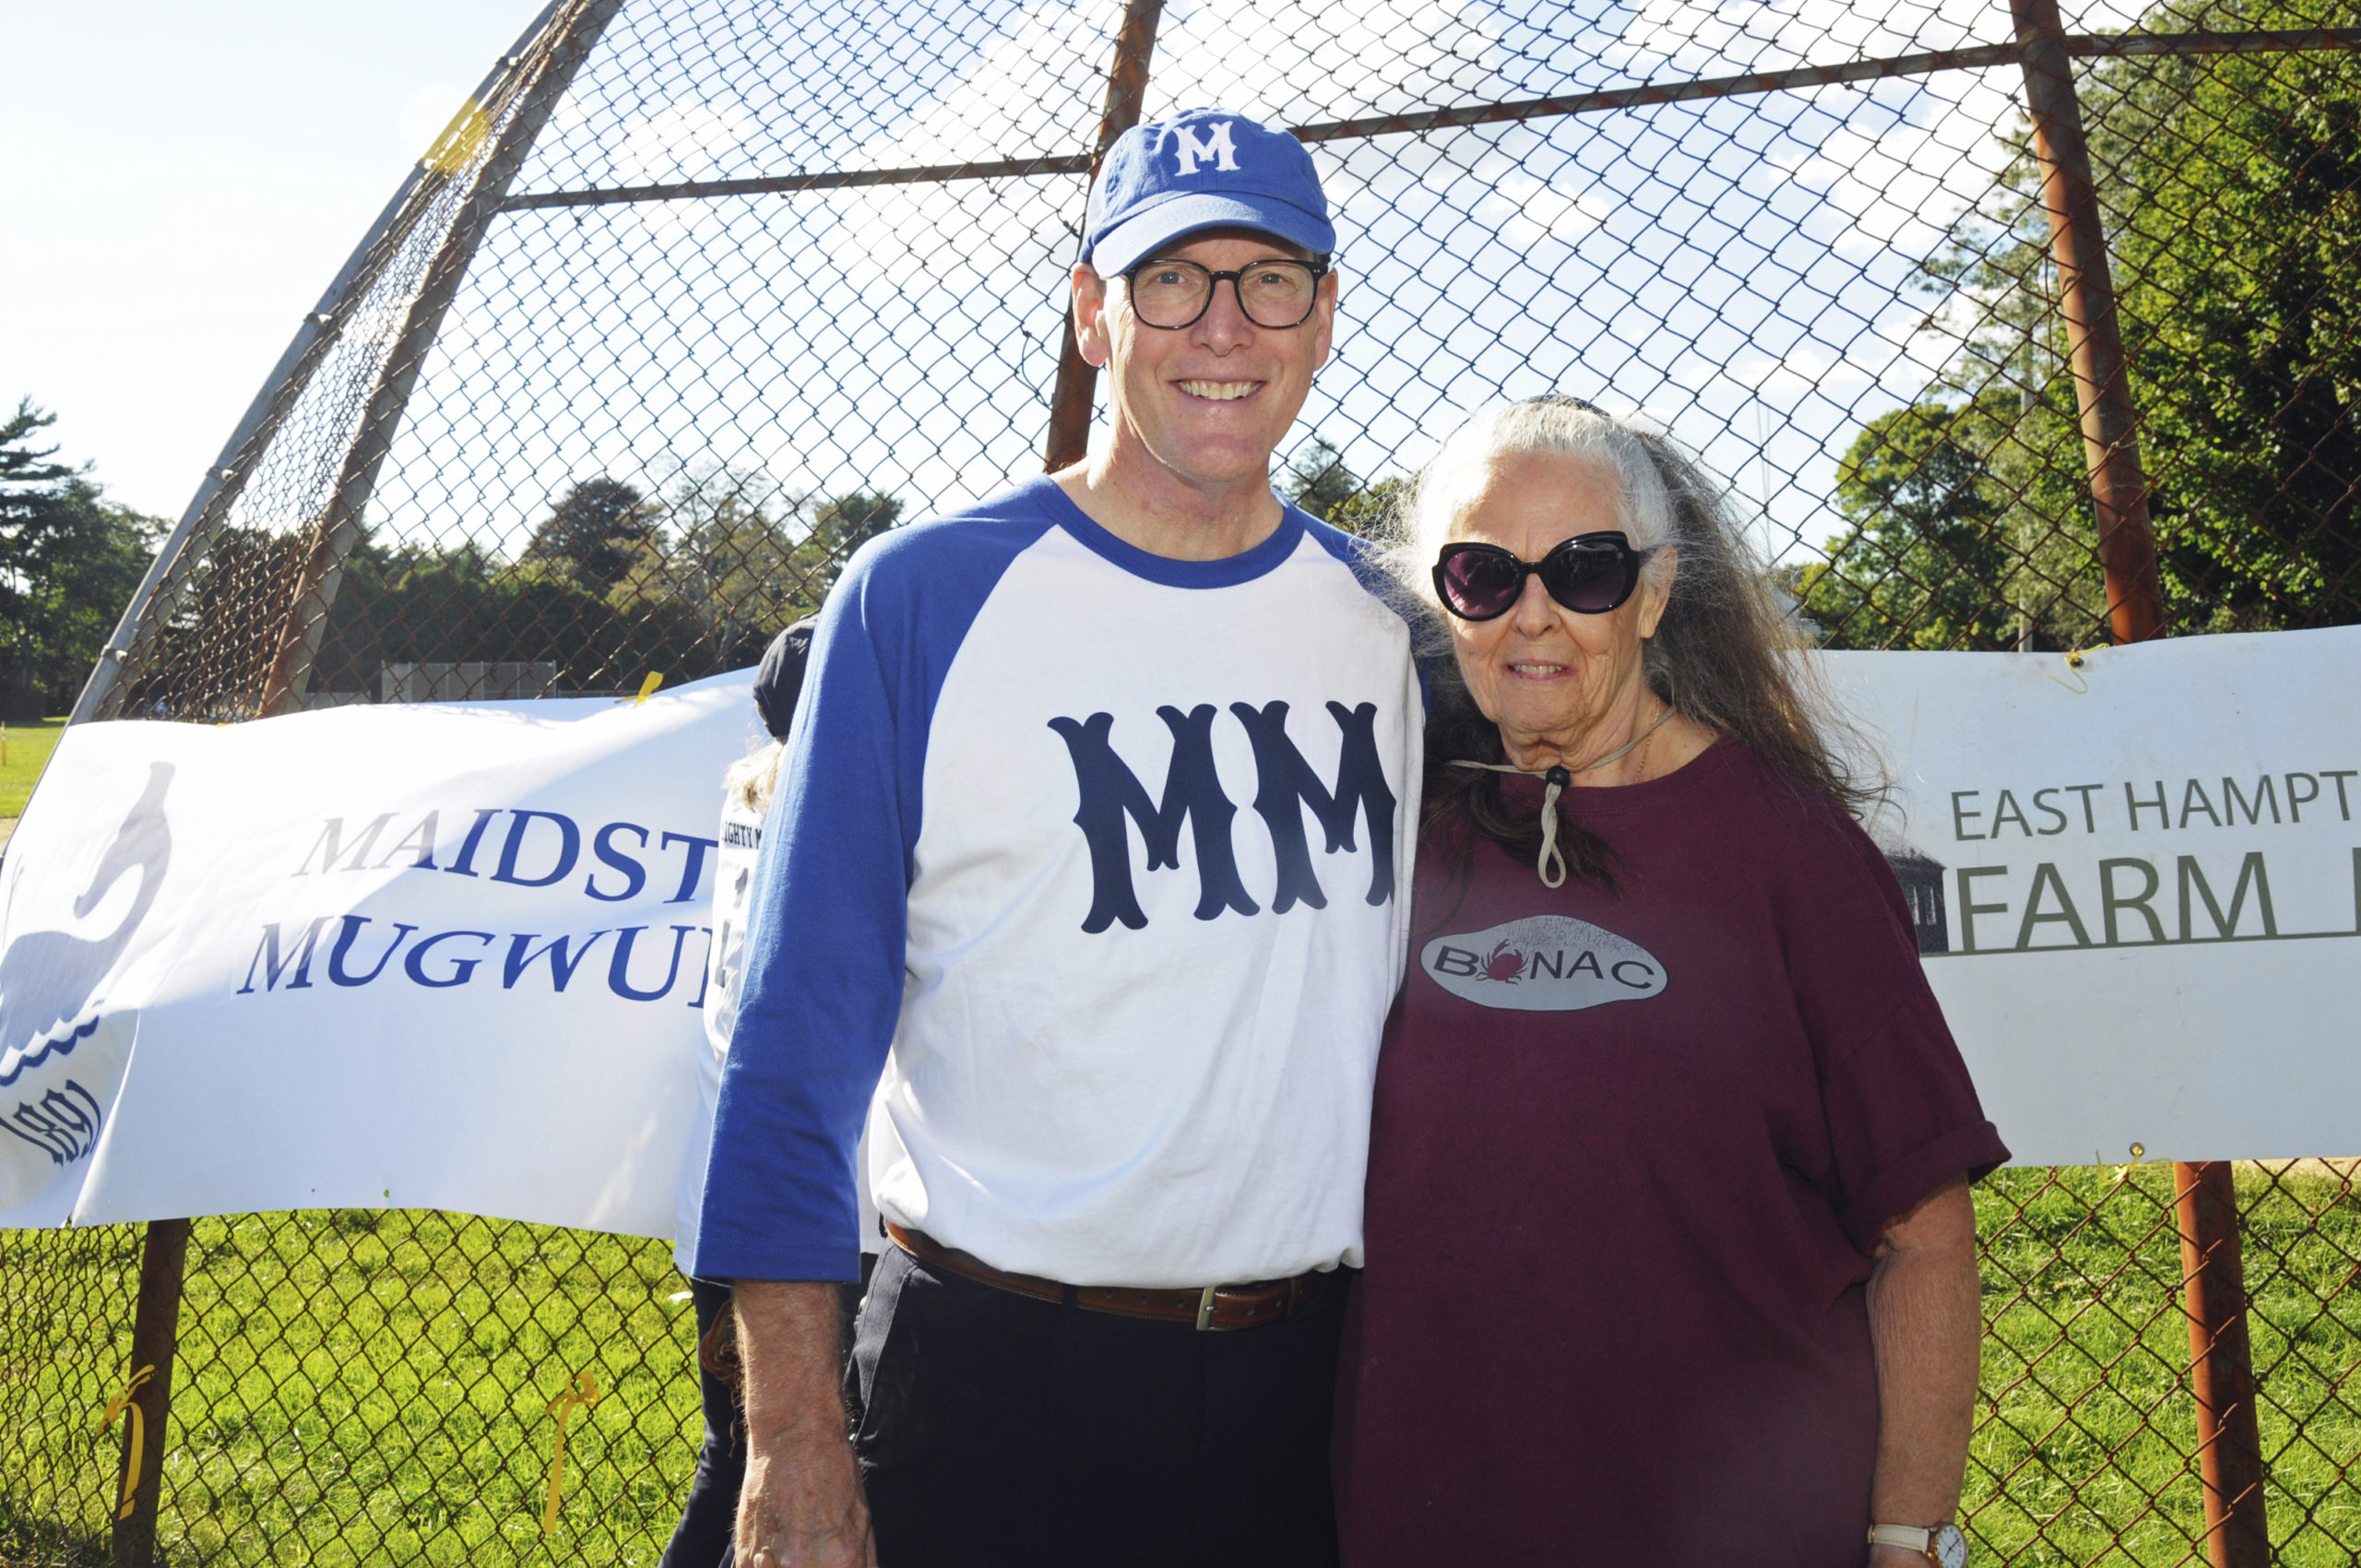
<point x="1922" y="884"/>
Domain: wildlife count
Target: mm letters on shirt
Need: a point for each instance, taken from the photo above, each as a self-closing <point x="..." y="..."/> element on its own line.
<point x="1285" y="784"/>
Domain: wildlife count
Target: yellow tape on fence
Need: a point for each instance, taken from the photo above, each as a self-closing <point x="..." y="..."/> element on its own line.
<point x="117" y="1406"/>
<point x="582" y="1391"/>
<point x="461" y="141"/>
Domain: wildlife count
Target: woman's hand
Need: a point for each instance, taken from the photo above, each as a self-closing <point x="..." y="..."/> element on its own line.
<point x="1926" y="1324"/>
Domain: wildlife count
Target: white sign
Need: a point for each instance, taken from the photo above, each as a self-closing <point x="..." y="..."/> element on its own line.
<point x="443" y="955"/>
<point x="453" y="956"/>
<point x="2138" y="884"/>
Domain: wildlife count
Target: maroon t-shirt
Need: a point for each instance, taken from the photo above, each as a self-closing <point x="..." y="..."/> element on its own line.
<point x="1630" y="1154"/>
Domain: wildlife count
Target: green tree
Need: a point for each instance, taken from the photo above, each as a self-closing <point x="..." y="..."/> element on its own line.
<point x="597" y="526"/>
<point x="1318" y="480"/>
<point x="1922" y="564"/>
<point x="460" y="602"/>
<point x="69" y="560"/>
<point x="839" y="526"/>
<point x="2230" y="191"/>
<point x="1373" y="508"/>
<point x="25" y="472"/>
<point x="2236" y="186"/>
<point x="726" y="562"/>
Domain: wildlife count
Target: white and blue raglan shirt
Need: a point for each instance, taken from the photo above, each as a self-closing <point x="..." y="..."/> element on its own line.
<point x="1113" y="852"/>
<point x="733" y="899"/>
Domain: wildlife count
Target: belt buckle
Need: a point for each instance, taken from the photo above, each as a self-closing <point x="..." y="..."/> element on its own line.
<point x="1206" y="1309"/>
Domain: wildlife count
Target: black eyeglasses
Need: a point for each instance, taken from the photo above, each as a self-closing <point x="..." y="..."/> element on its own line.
<point x="1589" y="574"/>
<point x="1276" y="293"/>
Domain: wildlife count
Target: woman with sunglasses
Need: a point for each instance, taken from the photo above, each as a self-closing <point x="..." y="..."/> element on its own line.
<point x="1670" y="1254"/>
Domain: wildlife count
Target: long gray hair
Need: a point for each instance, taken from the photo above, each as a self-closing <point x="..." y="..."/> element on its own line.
<point x="1722" y="655"/>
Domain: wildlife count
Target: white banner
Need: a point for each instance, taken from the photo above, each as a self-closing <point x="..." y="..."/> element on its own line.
<point x="2139" y="886"/>
<point x="452" y="957"/>
<point x="442" y="955"/>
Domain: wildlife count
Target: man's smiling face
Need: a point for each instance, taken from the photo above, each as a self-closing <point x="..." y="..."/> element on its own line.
<point x="1208" y="403"/>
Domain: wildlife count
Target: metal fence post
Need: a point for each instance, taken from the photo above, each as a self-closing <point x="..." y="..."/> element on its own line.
<point x="153" y="602"/>
<point x="340" y="525"/>
<point x="2221" y="1366"/>
<point x="1126" y="91"/>
<point x="2214" y="1285"/>
<point x="2095" y="343"/>
<point x="154" y="1335"/>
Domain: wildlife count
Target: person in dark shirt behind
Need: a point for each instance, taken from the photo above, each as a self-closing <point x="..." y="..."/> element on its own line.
<point x="1664" y="1022"/>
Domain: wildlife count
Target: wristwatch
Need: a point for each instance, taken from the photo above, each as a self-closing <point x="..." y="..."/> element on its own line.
<point x="1942" y="1544"/>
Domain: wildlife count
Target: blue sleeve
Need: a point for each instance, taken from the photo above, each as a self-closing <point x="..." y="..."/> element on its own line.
<point x="822" y="991"/>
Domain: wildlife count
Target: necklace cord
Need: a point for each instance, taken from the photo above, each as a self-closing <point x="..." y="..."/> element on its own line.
<point x="1551" y="863"/>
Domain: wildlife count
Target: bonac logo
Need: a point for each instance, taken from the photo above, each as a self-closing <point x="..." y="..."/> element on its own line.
<point x="1542" y="964"/>
<point x="50" y="982"/>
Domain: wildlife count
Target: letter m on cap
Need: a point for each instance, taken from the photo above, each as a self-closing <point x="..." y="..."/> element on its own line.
<point x="1216" y="146"/>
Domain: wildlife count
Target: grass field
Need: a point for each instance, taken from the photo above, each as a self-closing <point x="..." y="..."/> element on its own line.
<point x="29" y="748"/>
<point x="2084" y="1451"/>
<point x="357" y="1388"/>
<point x="362" y="1387"/>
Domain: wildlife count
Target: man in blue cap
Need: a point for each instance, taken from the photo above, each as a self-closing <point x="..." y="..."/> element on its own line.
<point x="1095" y="844"/>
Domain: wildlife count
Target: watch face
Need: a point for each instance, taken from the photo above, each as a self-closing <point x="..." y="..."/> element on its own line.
<point x="1951" y="1546"/>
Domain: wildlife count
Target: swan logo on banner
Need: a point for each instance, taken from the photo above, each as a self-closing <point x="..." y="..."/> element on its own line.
<point x="1542" y="964"/>
<point x="51" y="987"/>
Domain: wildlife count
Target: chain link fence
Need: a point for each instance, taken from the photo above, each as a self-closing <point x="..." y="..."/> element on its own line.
<point x="693" y="297"/>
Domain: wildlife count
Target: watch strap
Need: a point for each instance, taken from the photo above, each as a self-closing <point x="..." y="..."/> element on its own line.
<point x="1909" y="1537"/>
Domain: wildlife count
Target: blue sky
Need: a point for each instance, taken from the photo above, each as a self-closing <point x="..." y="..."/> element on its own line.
<point x="1733" y="270"/>
<point x="184" y="178"/>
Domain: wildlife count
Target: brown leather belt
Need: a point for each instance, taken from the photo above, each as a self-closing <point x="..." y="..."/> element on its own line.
<point x="1214" y="1307"/>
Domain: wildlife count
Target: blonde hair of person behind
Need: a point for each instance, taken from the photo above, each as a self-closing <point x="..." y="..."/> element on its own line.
<point x="1724" y="654"/>
<point x="752" y="778"/>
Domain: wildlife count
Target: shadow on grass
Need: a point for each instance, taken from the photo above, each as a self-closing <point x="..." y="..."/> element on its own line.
<point x="29" y="1542"/>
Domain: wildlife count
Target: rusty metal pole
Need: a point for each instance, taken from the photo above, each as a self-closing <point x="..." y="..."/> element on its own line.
<point x="1126" y="91"/>
<point x="340" y="525"/>
<point x="155" y="1336"/>
<point x="2213" y="1285"/>
<point x="159" y="592"/>
<point x="2095" y="342"/>
<point x="2238" y="1533"/>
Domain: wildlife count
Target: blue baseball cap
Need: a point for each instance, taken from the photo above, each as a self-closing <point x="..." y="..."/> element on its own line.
<point x="1202" y="169"/>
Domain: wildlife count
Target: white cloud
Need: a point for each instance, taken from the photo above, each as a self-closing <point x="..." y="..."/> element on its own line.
<point x="1899" y="186"/>
<point x="1300" y="61"/>
<point x="685" y="140"/>
<point x="1038" y="88"/>
<point x="1671" y="38"/>
<point x="680" y="142"/>
<point x="1527" y="210"/>
<point x="457" y="350"/>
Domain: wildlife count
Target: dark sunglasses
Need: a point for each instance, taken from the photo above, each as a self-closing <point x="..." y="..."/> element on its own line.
<point x="1589" y="574"/>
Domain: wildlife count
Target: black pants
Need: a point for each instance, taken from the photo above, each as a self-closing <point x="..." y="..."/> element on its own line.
<point x="703" y="1534"/>
<point x="996" y="1429"/>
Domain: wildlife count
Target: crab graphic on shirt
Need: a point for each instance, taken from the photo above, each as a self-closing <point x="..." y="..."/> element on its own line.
<point x="1504" y="963"/>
